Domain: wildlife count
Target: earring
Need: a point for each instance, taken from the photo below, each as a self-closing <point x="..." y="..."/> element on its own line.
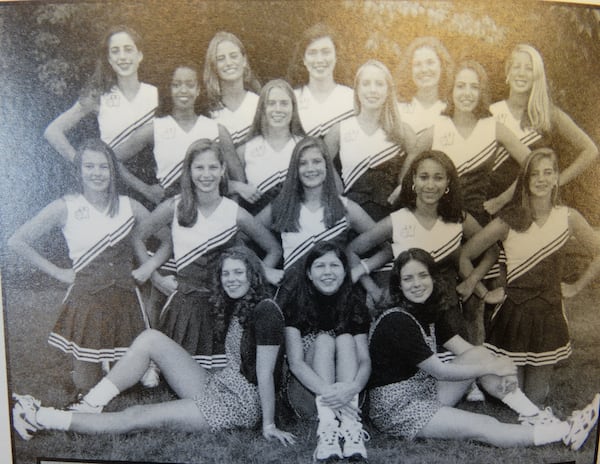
<point x="447" y="190"/>
<point x="413" y="187"/>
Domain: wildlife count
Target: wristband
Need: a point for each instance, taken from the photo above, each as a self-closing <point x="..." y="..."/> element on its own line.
<point x="363" y="263"/>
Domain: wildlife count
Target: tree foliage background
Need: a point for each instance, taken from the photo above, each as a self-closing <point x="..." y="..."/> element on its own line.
<point x="49" y="49"/>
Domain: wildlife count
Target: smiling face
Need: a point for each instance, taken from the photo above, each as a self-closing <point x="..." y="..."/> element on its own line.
<point x="312" y="168"/>
<point x="206" y="171"/>
<point x="416" y="282"/>
<point x="320" y="58"/>
<point x="430" y="182"/>
<point x="278" y="108"/>
<point x="123" y="54"/>
<point x="184" y="88"/>
<point x="234" y="278"/>
<point x="426" y="68"/>
<point x="327" y="273"/>
<point x="520" y="74"/>
<point x="543" y="178"/>
<point x="95" y="171"/>
<point x="372" y="88"/>
<point x="230" y="61"/>
<point x="466" y="92"/>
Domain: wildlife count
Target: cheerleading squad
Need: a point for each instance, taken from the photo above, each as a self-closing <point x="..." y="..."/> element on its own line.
<point x="408" y="252"/>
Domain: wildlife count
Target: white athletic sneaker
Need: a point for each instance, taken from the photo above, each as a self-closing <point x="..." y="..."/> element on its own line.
<point x="582" y="422"/>
<point x="354" y="437"/>
<point x="151" y="377"/>
<point x="81" y="405"/>
<point x="475" y="394"/>
<point x="328" y="442"/>
<point x="544" y="417"/>
<point x="24" y="414"/>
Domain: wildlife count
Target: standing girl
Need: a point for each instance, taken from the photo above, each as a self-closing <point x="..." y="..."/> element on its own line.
<point x="309" y="210"/>
<point x="322" y="102"/>
<point x="371" y="145"/>
<point x="237" y="396"/>
<point x="203" y="224"/>
<point x="122" y="103"/>
<point x="230" y="85"/>
<point x="102" y="313"/>
<point x="530" y="114"/>
<point x="176" y="126"/>
<point x="413" y="393"/>
<point x="431" y="72"/>
<point x="530" y="325"/>
<point x="266" y="155"/>
<point x="326" y="344"/>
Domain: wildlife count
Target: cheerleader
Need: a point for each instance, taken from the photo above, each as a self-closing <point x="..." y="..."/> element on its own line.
<point x="101" y="313"/>
<point x="432" y="218"/>
<point x="176" y="126"/>
<point x="530" y="114"/>
<point x="530" y="326"/>
<point x="121" y="102"/>
<point x="203" y="224"/>
<point x="322" y="102"/>
<point x="309" y="210"/>
<point x="240" y="395"/>
<point x="326" y="344"/>
<point x="469" y="136"/>
<point x="371" y="145"/>
<point x="413" y="393"/>
<point x="431" y="71"/>
<point x="230" y="85"/>
<point x="265" y="157"/>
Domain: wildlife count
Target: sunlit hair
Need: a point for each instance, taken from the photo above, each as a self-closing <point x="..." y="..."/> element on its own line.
<point x="223" y="307"/>
<point x="407" y="87"/>
<point x="450" y="206"/>
<point x="187" y="209"/>
<point x="212" y="83"/>
<point x="297" y="73"/>
<point x="165" y="101"/>
<point x="286" y="206"/>
<point x="518" y="214"/>
<point x="99" y="146"/>
<point x="412" y="254"/>
<point x="307" y="297"/>
<point x="539" y="104"/>
<point x="103" y="79"/>
<point x="482" y="109"/>
<point x="260" y="125"/>
<point x="390" y="117"/>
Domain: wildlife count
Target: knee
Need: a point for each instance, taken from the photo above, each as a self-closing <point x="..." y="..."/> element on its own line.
<point x="477" y="354"/>
<point x="325" y="342"/>
<point x="146" y="340"/>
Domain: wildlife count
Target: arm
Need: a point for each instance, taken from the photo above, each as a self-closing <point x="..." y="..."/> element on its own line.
<point x="493" y="205"/>
<point x="241" y="187"/>
<point x="56" y="132"/>
<point x="53" y="215"/>
<point x="515" y="148"/>
<point x="369" y="239"/>
<point x="149" y="264"/>
<point x="587" y="151"/>
<point x="411" y="149"/>
<point x="265" y="239"/>
<point x="265" y="216"/>
<point x="589" y="238"/>
<point x="153" y="193"/>
<point x="480" y="242"/>
<point x="472" y="282"/>
<point x="332" y="141"/>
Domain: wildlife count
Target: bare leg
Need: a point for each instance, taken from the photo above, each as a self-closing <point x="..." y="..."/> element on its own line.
<point x="321" y="357"/>
<point x="473" y="310"/>
<point x="179" y="369"/>
<point x="180" y="414"/>
<point x="346" y="358"/>
<point x="536" y="382"/>
<point x="451" y="423"/>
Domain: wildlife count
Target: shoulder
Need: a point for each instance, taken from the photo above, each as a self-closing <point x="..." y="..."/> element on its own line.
<point x="344" y="90"/>
<point x="496" y="107"/>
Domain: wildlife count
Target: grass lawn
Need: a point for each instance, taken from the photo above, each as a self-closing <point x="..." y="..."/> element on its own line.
<point x="40" y="370"/>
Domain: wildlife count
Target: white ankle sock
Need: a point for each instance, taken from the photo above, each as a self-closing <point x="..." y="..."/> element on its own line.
<point x="102" y="393"/>
<point x="518" y="402"/>
<point x="549" y="433"/>
<point x="324" y="413"/>
<point x="350" y="419"/>
<point x="54" y="419"/>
